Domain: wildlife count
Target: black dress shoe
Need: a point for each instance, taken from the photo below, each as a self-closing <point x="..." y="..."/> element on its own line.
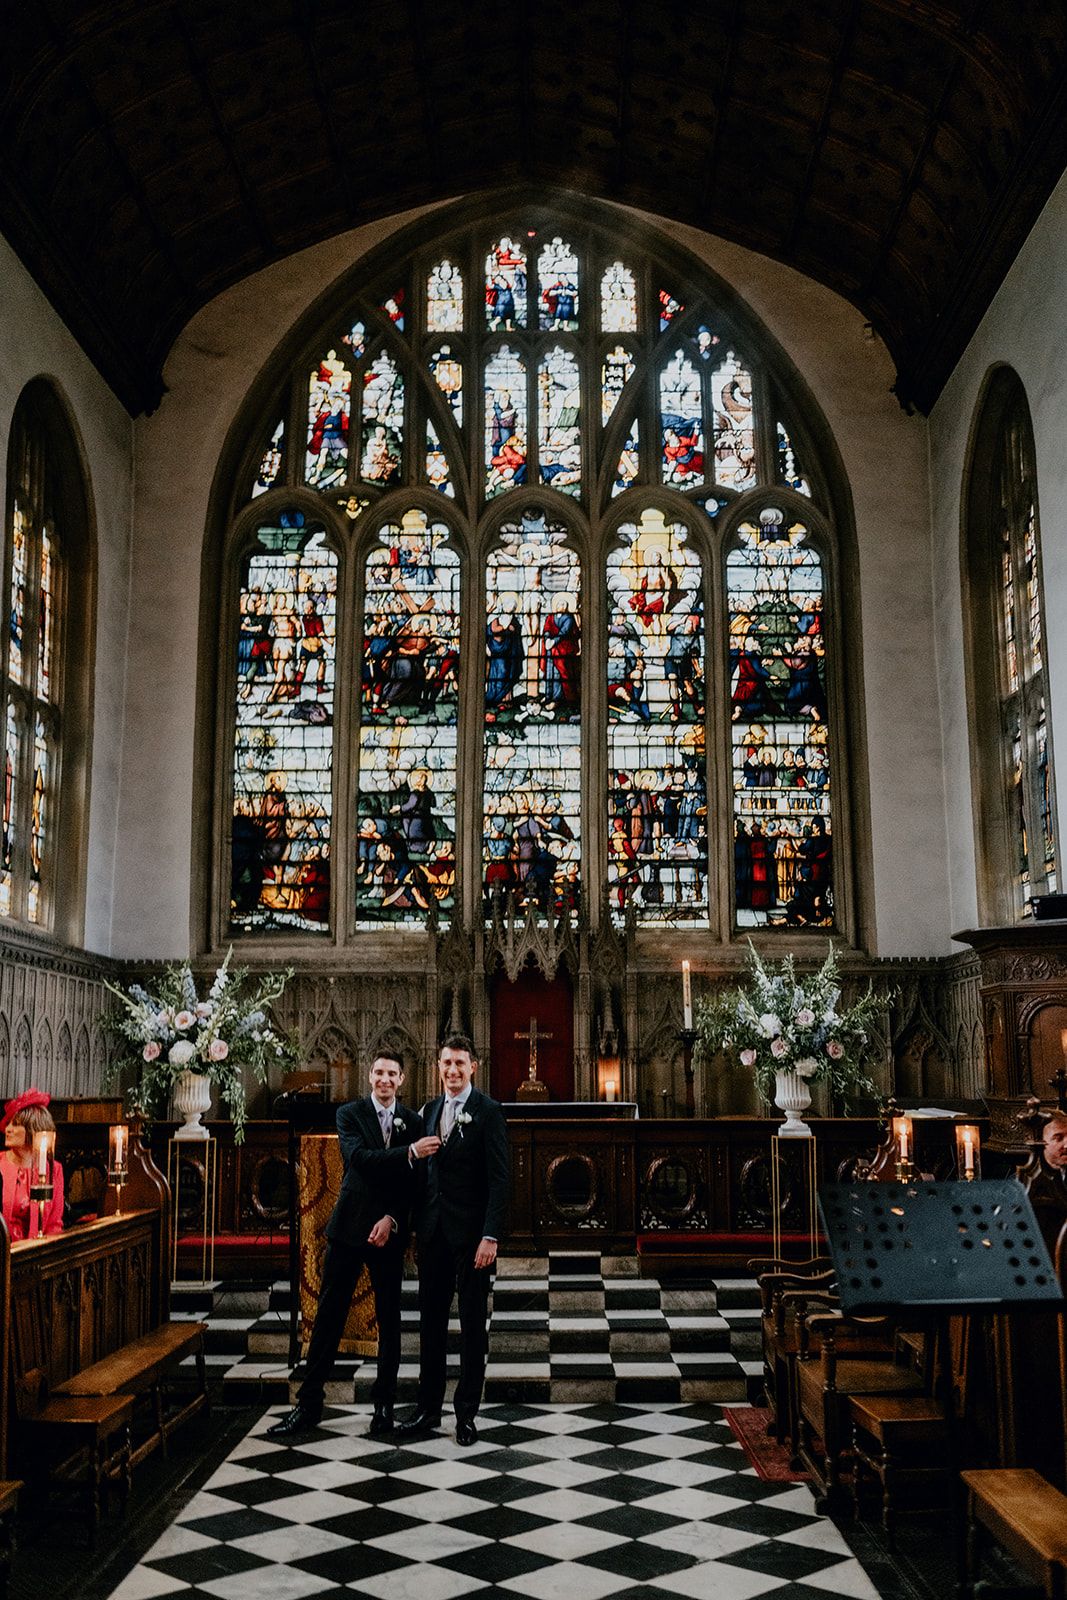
<point x="298" y="1421"/>
<point x="381" y="1423"/>
<point x="466" y="1432"/>
<point x="418" y="1425"/>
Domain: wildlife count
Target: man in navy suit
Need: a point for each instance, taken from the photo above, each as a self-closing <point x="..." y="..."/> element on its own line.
<point x="368" y="1227"/>
<point x="463" y="1169"/>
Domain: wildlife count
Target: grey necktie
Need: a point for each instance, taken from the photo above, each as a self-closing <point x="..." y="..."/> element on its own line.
<point x="387" y="1126"/>
<point x="448" y="1117"/>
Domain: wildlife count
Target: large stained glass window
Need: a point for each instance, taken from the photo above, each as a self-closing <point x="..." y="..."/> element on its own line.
<point x="782" y="847"/>
<point x="533" y="713"/>
<point x="443" y="433"/>
<point x="409" y="707"/>
<point x="657" y="800"/>
<point x="283" y="738"/>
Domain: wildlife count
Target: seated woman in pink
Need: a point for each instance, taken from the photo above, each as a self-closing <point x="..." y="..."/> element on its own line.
<point x="24" y="1116"/>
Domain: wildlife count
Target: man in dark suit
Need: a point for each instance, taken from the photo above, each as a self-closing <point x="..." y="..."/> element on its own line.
<point x="463" y="1168"/>
<point x="368" y="1227"/>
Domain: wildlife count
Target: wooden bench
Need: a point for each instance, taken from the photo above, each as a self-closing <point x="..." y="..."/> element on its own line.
<point x="142" y="1367"/>
<point x="1027" y="1516"/>
<point x="902" y="1440"/>
<point x="99" y="1428"/>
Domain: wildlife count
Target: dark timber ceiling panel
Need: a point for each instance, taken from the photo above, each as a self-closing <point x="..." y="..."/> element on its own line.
<point x="151" y="154"/>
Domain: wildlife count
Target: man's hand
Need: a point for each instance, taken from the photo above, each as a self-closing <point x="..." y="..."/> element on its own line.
<point x="381" y="1232"/>
<point x="426" y="1146"/>
<point x="485" y="1254"/>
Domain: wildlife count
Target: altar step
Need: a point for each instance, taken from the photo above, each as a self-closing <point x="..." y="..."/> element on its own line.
<point x="564" y="1327"/>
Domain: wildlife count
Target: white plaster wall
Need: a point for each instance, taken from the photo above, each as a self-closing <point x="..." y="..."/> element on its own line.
<point x="1023" y="328"/>
<point x="35" y="343"/>
<point x="208" y="373"/>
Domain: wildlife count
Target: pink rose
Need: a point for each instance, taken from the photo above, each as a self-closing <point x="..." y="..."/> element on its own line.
<point x="835" y="1050"/>
<point x="748" y="1058"/>
<point x="218" y="1050"/>
<point x="779" y="1048"/>
<point x="151" y="1050"/>
<point x="183" y="1020"/>
<point x="806" y="1017"/>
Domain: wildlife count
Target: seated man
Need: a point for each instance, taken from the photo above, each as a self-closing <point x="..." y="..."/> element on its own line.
<point x="1048" y="1188"/>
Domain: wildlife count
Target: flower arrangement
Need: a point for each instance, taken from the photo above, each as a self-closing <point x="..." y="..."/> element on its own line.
<point x="217" y="1037"/>
<point x="776" y="1022"/>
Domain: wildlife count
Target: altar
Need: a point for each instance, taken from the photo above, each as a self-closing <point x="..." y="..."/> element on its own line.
<point x="570" y="1111"/>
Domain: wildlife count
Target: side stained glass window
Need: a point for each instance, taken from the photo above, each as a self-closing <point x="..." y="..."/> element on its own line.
<point x="32" y="577"/>
<point x="533" y="707"/>
<point x="657" y="851"/>
<point x="1021" y="673"/>
<point x="329" y="417"/>
<point x="409" y="698"/>
<point x="447" y="372"/>
<point x="783" y="849"/>
<point x="505" y="421"/>
<point x="283" y="738"/>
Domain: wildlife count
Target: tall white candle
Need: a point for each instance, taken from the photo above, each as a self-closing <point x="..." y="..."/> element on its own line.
<point x="609" y="1090"/>
<point x="687" y="996"/>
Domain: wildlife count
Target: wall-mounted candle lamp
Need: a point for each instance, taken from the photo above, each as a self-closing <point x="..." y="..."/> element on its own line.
<point x="41" y="1178"/>
<point x="118" y="1159"/>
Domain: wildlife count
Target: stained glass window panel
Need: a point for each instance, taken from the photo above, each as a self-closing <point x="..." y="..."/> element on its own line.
<point x="393" y="306"/>
<point x="383" y="422"/>
<point x="46" y="617"/>
<point x="437" y="469"/>
<point x="735" y="434"/>
<point x="444" y="299"/>
<point x="533" y="715"/>
<point x="283" y="751"/>
<point x="615" y="374"/>
<point x="707" y="340"/>
<point x="682" y="423"/>
<point x="1045" y="804"/>
<point x="1007" y="598"/>
<point x="559" y="409"/>
<point x="657" y="849"/>
<point x="38" y="820"/>
<point x="10" y="806"/>
<point x="355" y="341"/>
<point x="618" y="300"/>
<point x="1033" y="591"/>
<point x="669" y="309"/>
<point x="17" y="611"/>
<point x="329" y="414"/>
<point x="789" y="472"/>
<point x="557" y="271"/>
<point x="447" y="370"/>
<point x="783" y="854"/>
<point x="271" y="462"/>
<point x="505" y="286"/>
<point x="406" y="829"/>
<point x="629" y="465"/>
<point x="505" y="421"/>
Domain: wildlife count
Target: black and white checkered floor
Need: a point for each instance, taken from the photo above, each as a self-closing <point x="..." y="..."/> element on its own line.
<point x="554" y="1502"/>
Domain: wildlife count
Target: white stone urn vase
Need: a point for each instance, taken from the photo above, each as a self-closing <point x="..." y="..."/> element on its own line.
<point x="192" y="1097"/>
<point x="792" y="1095"/>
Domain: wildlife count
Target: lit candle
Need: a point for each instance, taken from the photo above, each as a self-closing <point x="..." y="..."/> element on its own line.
<point x="42" y="1149"/>
<point x="967" y="1147"/>
<point x="1063" y="1040"/>
<point x="609" y="1090"/>
<point x="902" y="1133"/>
<point x="968" y="1152"/>
<point x="687" y="997"/>
<point x="119" y="1134"/>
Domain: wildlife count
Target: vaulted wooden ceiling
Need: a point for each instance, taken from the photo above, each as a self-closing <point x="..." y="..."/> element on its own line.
<point x="153" y="152"/>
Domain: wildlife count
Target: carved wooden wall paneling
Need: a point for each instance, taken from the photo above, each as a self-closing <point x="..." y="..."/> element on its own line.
<point x="50" y="1007"/>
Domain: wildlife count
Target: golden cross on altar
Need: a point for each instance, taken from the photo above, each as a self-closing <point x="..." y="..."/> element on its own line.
<point x="533" y="1037"/>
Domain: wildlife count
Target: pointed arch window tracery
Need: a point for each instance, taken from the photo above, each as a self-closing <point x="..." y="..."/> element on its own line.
<point x="595" y="427"/>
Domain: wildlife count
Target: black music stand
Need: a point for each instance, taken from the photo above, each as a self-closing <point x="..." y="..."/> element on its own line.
<point x="945" y="1248"/>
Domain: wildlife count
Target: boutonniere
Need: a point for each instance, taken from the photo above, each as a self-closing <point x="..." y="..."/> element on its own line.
<point x="398" y="1125"/>
<point x="462" y="1119"/>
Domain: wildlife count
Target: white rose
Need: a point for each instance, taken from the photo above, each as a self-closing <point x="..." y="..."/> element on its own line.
<point x="183" y="1020"/>
<point x="748" y="1058"/>
<point x="204" y="1010"/>
<point x="771" y="1024"/>
<point x="806" y="1068"/>
<point x="779" y="1048"/>
<point x="181" y="1053"/>
<point x="805" y="1018"/>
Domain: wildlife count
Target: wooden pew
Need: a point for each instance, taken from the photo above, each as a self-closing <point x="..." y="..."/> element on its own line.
<point x="1025" y="1514"/>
